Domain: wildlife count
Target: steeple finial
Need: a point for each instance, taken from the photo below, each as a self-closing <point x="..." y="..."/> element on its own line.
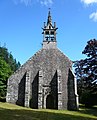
<point x="49" y="12"/>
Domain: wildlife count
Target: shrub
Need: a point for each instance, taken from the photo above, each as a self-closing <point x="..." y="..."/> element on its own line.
<point x="2" y="99"/>
<point x="88" y="99"/>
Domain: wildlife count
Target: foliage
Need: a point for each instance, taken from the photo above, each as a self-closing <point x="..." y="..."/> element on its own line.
<point x="2" y="99"/>
<point x="7" y="66"/>
<point x="8" y="57"/>
<point x="5" y="72"/>
<point x="86" y="69"/>
<point x="88" y="98"/>
<point x="13" y="112"/>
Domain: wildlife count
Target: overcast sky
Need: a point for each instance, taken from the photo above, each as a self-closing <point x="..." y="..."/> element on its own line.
<point x="21" y="22"/>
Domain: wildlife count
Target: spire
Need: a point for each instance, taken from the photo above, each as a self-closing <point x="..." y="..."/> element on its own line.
<point x="49" y="20"/>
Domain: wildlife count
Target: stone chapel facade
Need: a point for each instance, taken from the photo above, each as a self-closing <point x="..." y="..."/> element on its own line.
<point x="46" y="79"/>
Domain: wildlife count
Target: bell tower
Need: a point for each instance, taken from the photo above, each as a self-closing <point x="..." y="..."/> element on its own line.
<point x="49" y="33"/>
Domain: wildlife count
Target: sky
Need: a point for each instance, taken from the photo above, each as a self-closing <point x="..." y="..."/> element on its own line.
<point x="21" y="23"/>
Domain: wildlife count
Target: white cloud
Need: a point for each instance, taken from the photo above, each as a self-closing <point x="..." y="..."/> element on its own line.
<point x="25" y="2"/>
<point x="93" y="16"/>
<point x="46" y="2"/>
<point x="88" y="2"/>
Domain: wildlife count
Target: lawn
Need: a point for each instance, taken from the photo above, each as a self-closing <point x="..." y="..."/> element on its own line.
<point x="13" y="112"/>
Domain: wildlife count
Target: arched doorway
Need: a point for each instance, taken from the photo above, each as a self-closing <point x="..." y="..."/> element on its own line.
<point x="50" y="102"/>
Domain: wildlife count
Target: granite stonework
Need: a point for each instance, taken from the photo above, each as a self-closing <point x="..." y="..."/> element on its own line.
<point x="46" y="80"/>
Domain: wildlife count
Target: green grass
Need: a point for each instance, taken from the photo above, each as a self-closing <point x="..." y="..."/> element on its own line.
<point x="13" y="112"/>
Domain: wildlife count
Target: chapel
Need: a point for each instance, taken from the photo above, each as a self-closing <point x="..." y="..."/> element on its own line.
<point x="46" y="80"/>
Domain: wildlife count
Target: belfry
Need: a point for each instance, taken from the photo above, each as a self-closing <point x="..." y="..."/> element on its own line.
<point x="49" y="30"/>
<point x="46" y="80"/>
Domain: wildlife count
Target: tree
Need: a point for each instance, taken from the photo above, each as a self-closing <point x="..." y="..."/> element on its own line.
<point x="8" y="65"/>
<point x="8" y="57"/>
<point x="5" y="72"/>
<point x="86" y="69"/>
